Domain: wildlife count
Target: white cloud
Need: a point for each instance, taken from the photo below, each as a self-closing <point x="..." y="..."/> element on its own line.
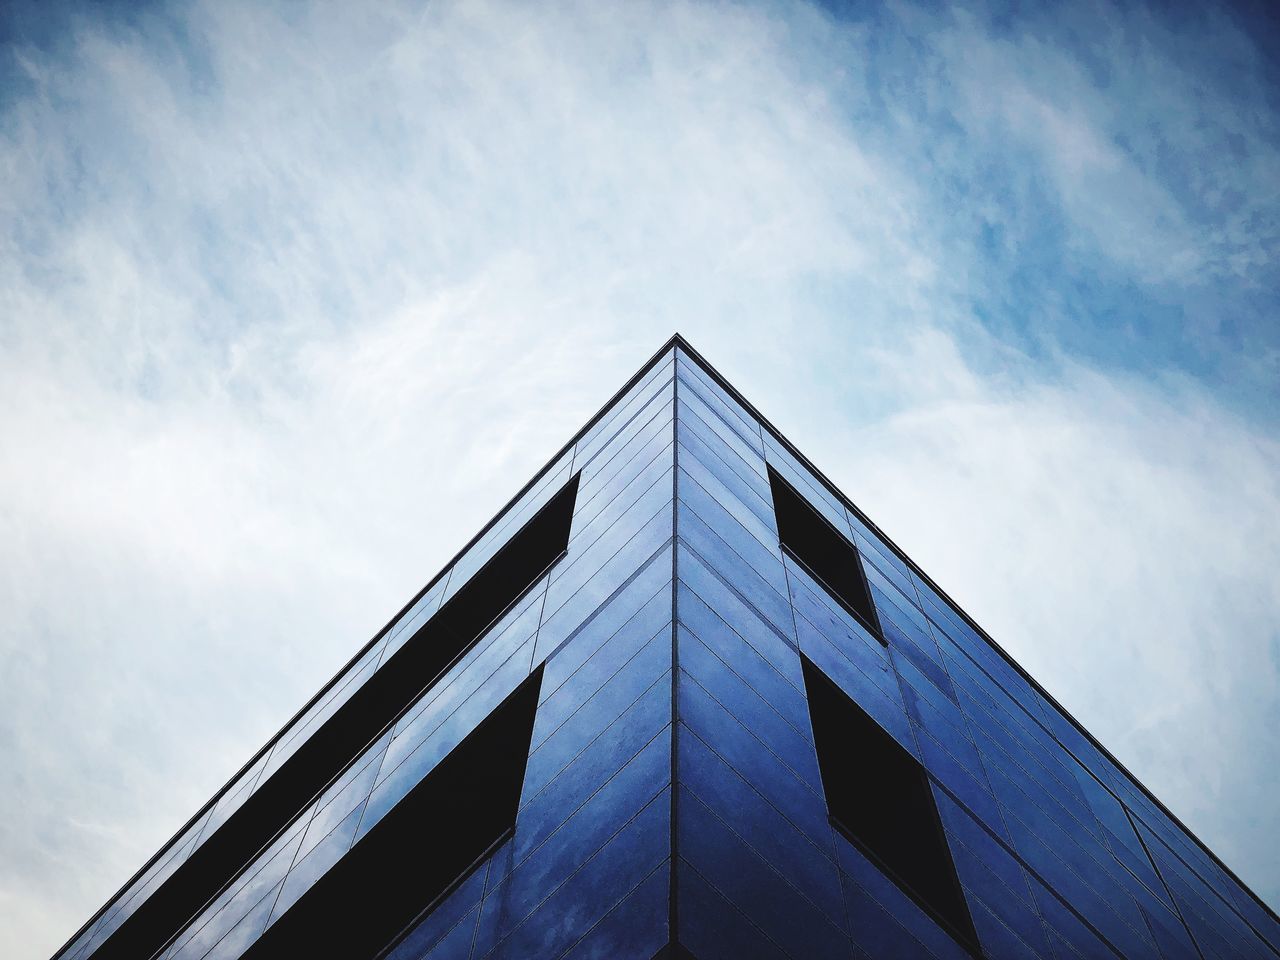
<point x="1119" y="539"/>
<point x="294" y="299"/>
<point x="1162" y="164"/>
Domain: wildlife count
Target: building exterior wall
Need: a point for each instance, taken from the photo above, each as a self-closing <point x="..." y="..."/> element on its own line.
<point x="672" y="789"/>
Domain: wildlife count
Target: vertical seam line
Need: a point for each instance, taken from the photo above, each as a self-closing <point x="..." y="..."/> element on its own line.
<point x="673" y="903"/>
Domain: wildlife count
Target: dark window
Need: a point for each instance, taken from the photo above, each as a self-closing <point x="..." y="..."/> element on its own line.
<point x="879" y="797"/>
<point x="399" y="870"/>
<point x="499" y="583"/>
<point x="823" y="551"/>
<point x="399" y="682"/>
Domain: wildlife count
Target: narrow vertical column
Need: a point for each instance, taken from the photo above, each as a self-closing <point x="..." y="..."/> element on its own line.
<point x="756" y="871"/>
<point x="673" y="915"/>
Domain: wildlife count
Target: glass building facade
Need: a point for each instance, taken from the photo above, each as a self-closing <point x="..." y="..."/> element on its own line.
<point x="681" y="698"/>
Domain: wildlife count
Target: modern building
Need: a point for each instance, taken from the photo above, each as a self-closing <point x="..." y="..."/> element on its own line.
<point x="681" y="698"/>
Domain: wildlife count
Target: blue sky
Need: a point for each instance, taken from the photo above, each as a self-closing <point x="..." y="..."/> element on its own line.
<point x="293" y="297"/>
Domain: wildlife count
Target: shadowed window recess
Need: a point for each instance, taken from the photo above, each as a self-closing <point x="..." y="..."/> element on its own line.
<point x="446" y="825"/>
<point x="826" y="554"/>
<point x="399" y="682"/>
<point x="879" y="797"/>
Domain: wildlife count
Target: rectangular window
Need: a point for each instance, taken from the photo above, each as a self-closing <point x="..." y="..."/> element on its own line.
<point x="879" y="797"/>
<point x="443" y="827"/>
<point x="399" y="682"/>
<point x="824" y="552"/>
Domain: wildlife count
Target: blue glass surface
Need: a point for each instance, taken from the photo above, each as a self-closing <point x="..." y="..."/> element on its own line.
<point x="603" y="663"/>
<point x="673" y="711"/>
<point x="735" y="451"/>
<point x="736" y="608"/>
<point x="400" y="775"/>
<point x="636" y="927"/>
<point x="713" y="928"/>
<point x="473" y="669"/>
<point x="757" y="546"/>
<point x="696" y="452"/>
<point x="585" y="829"/>
<point x="809" y="866"/>
<point x="792" y="745"/>
<point x="749" y="507"/>
<point x="622" y="412"/>
<point x="760" y="590"/>
<point x="582" y="893"/>
<point x="569" y="603"/>
<point x="644" y="422"/>
<point x="236" y="913"/>
<point x="743" y="655"/>
<point x="878" y="908"/>
<point x="638" y="744"/>
<point x="642" y="676"/>
<point x="617" y="472"/>
<point x="738" y="746"/>
<point x="751" y="884"/>
<point x="696" y="381"/>
<point x="603" y="531"/>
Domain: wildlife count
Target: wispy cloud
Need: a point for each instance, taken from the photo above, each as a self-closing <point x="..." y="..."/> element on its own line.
<point x="292" y="299"/>
<point x="1149" y="511"/>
